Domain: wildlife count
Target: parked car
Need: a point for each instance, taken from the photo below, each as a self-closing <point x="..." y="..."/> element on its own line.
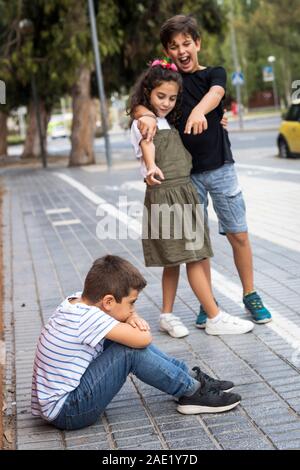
<point x="59" y="125"/>
<point x="58" y="131"/>
<point x="288" y="139"/>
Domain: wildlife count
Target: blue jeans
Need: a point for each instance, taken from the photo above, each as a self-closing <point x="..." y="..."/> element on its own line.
<point x="107" y="373"/>
<point x="227" y="197"/>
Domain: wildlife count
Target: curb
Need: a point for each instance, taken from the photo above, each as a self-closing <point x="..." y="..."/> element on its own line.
<point x="254" y="129"/>
<point x="2" y="344"/>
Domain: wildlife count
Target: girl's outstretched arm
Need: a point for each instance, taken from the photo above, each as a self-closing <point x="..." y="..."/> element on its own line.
<point x="148" y="150"/>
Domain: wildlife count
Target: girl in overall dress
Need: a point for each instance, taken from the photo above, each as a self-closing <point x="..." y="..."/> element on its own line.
<point x="166" y="167"/>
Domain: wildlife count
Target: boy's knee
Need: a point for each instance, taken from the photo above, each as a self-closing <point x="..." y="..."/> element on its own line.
<point x="238" y="239"/>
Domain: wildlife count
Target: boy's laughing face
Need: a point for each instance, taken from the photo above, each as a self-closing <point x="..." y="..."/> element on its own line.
<point x="183" y="50"/>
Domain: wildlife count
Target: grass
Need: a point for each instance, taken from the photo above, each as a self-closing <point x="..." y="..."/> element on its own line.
<point x="15" y="140"/>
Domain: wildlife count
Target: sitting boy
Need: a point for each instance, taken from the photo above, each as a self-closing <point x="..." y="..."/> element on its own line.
<point x="95" y="339"/>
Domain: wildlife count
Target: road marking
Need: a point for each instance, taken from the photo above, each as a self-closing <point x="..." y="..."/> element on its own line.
<point x="264" y="188"/>
<point x="138" y="185"/>
<point x="101" y="203"/>
<point x="62" y="210"/>
<point x="116" y="166"/>
<point x="268" y="169"/>
<point x="58" y="223"/>
<point x="287" y="329"/>
<point x="242" y="138"/>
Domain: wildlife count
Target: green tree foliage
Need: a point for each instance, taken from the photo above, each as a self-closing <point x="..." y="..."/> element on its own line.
<point x="138" y="27"/>
<point x="58" y="44"/>
<point x="264" y="28"/>
<point x="278" y="28"/>
<point x="60" y="41"/>
<point x="16" y="90"/>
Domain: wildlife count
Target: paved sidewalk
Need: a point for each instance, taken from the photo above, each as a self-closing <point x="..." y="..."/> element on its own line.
<point x="46" y="257"/>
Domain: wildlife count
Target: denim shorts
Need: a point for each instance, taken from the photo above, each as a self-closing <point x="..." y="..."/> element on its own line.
<point x="227" y="197"/>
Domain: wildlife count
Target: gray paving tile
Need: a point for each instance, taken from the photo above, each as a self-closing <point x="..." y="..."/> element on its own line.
<point x="55" y="265"/>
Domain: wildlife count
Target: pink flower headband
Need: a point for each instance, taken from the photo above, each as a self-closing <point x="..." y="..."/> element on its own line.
<point x="165" y="63"/>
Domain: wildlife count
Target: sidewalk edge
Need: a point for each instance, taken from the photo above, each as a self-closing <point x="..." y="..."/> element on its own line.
<point x="2" y="358"/>
<point x="7" y="384"/>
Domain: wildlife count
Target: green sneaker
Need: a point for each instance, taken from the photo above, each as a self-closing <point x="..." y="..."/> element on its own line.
<point x="256" y="308"/>
<point x="202" y="317"/>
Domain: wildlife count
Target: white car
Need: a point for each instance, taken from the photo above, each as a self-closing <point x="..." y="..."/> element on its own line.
<point x="59" y="131"/>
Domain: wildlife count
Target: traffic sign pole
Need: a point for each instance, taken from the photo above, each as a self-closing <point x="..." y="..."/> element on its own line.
<point x="236" y="63"/>
<point x="238" y="80"/>
<point x="239" y="100"/>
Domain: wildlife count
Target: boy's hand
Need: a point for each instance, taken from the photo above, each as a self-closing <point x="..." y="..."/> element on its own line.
<point x="136" y="321"/>
<point x="152" y="172"/>
<point x="196" y="122"/>
<point x="224" y="120"/>
<point x="147" y="127"/>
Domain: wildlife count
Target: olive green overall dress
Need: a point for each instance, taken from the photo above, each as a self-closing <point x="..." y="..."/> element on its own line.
<point x="164" y="244"/>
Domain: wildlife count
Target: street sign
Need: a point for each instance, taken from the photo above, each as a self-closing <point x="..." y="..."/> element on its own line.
<point x="237" y="78"/>
<point x="268" y="73"/>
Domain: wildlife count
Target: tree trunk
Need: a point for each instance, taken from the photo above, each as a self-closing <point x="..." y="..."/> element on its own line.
<point x="3" y="134"/>
<point x="32" y="147"/>
<point x="84" y="121"/>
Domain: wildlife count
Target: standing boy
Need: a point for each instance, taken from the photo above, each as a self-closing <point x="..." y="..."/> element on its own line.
<point x="204" y="137"/>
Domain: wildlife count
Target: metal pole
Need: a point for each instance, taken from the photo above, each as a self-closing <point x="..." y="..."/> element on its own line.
<point x="272" y="60"/>
<point x="235" y="62"/>
<point x="100" y="82"/>
<point x="275" y="92"/>
<point x="38" y="120"/>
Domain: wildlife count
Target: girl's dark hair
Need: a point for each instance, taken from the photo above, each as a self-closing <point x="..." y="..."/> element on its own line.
<point x="179" y="24"/>
<point x="112" y="275"/>
<point x="150" y="79"/>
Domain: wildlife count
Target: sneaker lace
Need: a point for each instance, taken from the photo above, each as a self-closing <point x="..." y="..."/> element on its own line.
<point x="256" y="301"/>
<point x="204" y="378"/>
<point x="208" y="388"/>
<point x="215" y="390"/>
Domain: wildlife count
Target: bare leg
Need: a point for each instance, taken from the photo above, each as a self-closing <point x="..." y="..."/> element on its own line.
<point x="207" y="270"/>
<point x="242" y="254"/>
<point x="170" y="279"/>
<point x="197" y="277"/>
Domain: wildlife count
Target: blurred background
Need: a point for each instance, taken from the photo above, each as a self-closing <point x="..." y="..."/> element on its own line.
<point x="50" y="87"/>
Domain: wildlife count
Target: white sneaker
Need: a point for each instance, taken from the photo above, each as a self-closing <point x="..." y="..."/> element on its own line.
<point x="173" y="326"/>
<point x="228" y="325"/>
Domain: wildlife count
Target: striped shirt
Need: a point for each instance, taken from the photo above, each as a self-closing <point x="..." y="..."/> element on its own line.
<point x="69" y="342"/>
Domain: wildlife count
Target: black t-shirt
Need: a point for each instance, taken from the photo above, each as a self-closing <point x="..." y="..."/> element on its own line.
<point x="211" y="149"/>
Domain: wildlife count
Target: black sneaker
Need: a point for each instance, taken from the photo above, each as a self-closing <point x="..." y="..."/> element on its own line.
<point x="223" y="385"/>
<point x="207" y="400"/>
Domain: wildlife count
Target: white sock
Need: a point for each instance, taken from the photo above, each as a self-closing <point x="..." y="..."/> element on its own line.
<point x="216" y="318"/>
<point x="163" y="315"/>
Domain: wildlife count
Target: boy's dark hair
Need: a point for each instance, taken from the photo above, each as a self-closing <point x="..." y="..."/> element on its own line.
<point x="112" y="275"/>
<point x="184" y="24"/>
<point x="147" y="81"/>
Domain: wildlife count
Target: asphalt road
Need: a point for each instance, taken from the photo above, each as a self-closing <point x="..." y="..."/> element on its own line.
<point x="259" y="133"/>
